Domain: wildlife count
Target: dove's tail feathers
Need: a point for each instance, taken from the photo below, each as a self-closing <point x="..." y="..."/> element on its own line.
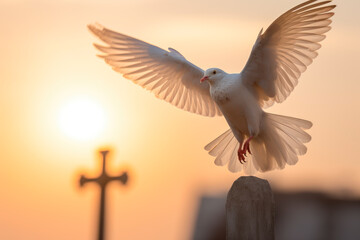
<point x="280" y="142"/>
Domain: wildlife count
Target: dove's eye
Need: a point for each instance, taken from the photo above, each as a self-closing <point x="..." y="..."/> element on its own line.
<point x="214" y="72"/>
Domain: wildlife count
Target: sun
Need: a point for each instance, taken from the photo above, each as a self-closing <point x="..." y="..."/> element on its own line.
<point x="81" y="119"/>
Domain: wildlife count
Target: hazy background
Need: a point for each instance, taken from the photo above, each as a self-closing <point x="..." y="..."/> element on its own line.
<point x="47" y="62"/>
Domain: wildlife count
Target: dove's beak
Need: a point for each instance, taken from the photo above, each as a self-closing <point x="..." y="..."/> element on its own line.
<point x="204" y="78"/>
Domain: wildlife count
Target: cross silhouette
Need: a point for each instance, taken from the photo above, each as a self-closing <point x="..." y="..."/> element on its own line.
<point x="103" y="180"/>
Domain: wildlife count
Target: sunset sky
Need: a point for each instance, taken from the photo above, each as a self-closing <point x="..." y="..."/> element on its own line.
<point x="49" y="70"/>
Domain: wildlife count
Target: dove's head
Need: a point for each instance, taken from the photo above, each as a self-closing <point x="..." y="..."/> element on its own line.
<point x="212" y="75"/>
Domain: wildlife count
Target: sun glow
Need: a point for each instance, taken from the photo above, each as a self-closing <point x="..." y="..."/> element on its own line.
<point x="82" y="119"/>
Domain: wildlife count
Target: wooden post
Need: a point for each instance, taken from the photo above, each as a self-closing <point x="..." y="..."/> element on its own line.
<point x="250" y="211"/>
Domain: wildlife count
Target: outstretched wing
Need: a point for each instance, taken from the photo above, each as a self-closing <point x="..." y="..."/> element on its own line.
<point x="166" y="73"/>
<point x="286" y="48"/>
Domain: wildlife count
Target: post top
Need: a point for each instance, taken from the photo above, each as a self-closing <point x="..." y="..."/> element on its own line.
<point x="249" y="188"/>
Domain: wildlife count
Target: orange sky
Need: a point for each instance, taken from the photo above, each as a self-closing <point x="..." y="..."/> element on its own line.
<point x="47" y="60"/>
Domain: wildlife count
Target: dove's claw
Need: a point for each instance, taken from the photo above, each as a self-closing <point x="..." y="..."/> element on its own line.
<point x="243" y="150"/>
<point x="241" y="155"/>
<point x="242" y="160"/>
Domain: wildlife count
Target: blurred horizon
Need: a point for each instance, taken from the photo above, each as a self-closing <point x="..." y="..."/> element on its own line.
<point x="48" y="62"/>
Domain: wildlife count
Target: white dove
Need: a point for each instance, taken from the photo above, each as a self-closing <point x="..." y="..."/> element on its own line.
<point x="278" y="58"/>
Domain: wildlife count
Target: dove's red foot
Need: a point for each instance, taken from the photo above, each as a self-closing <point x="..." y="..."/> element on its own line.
<point x="247" y="145"/>
<point x="241" y="154"/>
<point x="242" y="151"/>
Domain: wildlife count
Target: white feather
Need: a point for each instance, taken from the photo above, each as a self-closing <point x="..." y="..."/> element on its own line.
<point x="157" y="70"/>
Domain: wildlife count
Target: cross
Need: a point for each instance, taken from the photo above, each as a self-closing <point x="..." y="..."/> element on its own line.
<point x="103" y="180"/>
